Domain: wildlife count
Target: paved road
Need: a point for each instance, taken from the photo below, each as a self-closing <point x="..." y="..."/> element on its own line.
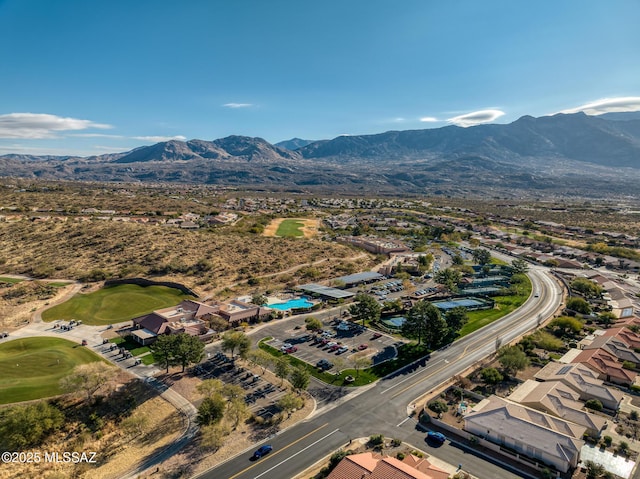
<point x="382" y="409"/>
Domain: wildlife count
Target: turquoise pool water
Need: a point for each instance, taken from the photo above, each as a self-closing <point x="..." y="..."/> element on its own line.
<point x="292" y="304"/>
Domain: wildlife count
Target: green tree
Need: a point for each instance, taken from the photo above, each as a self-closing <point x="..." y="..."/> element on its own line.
<point x="448" y="277"/>
<point x="290" y="402"/>
<point x="456" y="318"/>
<point x="260" y="358"/>
<point x="22" y="427"/>
<point x="586" y="287"/>
<point x="425" y="261"/>
<point x="607" y="318"/>
<point x="210" y="387"/>
<point x="258" y="299"/>
<point x="237" y="410"/>
<point x="519" y="266"/>
<point x="481" y="256"/>
<point x="361" y="362"/>
<point x="300" y="378"/>
<point x="594" y="470"/>
<point x="164" y="349"/>
<point x="188" y="350"/>
<point x="236" y="340"/>
<point x="438" y="406"/>
<point x="594" y="404"/>
<point x="566" y="325"/>
<point x="424" y="322"/>
<point x="313" y="324"/>
<point x="365" y="308"/>
<point x="211" y="410"/>
<point x="579" y="305"/>
<point x="281" y="369"/>
<point x="491" y="376"/>
<point x="512" y="359"/>
<point x="89" y="378"/>
<point x="623" y="448"/>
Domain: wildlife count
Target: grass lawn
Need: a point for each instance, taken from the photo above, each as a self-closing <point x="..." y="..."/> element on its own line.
<point x="32" y="367"/>
<point x="134" y="348"/>
<point x="504" y="305"/>
<point x="115" y="304"/>
<point x="4" y="279"/>
<point x="290" y="228"/>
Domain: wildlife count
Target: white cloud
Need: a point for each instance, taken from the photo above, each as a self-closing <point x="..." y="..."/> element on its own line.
<point x="41" y="125"/>
<point x="160" y="138"/>
<point x="238" y="105"/>
<point x="94" y="135"/>
<point x="476" y="118"/>
<point x="429" y="119"/>
<point x="607" y="105"/>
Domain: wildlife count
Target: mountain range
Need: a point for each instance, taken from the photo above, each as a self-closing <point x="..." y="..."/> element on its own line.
<point x="559" y="155"/>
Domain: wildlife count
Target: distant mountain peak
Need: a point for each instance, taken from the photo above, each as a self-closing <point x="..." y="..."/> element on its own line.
<point x="294" y="143"/>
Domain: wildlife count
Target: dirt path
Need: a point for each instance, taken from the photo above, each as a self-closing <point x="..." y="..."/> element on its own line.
<point x="37" y="316"/>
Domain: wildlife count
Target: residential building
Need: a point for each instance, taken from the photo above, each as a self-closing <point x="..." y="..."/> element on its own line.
<point x="559" y="400"/>
<point x="539" y="437"/>
<point x="187" y="317"/>
<point x="369" y="465"/>
<point x="583" y="380"/>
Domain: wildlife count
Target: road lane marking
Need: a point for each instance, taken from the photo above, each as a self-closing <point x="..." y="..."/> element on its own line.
<point x="403" y="421"/>
<point x="280" y="451"/>
<point x="406" y="379"/>
<point x="464" y="352"/>
<point x="299" y="452"/>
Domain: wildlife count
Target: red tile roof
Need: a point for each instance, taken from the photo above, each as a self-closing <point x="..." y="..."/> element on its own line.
<point x="373" y="466"/>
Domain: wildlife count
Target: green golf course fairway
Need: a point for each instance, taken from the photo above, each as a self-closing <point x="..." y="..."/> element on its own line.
<point x="32" y="367"/>
<point x="115" y="304"/>
<point x="290" y="228"/>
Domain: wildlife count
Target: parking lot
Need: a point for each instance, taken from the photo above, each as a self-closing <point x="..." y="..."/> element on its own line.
<point x="334" y="342"/>
<point x="261" y="395"/>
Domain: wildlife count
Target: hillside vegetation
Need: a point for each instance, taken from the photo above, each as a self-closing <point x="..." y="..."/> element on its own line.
<point x="97" y="250"/>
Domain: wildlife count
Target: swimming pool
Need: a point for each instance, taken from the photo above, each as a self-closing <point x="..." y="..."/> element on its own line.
<point x="292" y="304"/>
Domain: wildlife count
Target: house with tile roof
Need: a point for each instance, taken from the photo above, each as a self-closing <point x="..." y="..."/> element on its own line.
<point x="531" y="435"/>
<point x="369" y="465"/>
<point x="606" y="365"/>
<point x="187" y="317"/>
<point x="617" y="346"/>
<point x="584" y="381"/>
<point x="559" y="400"/>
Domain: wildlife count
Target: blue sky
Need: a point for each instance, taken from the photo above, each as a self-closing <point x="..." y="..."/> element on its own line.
<point x="91" y="77"/>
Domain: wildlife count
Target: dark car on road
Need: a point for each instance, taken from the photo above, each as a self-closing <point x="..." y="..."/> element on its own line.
<point x="262" y="451"/>
<point x="436" y="437"/>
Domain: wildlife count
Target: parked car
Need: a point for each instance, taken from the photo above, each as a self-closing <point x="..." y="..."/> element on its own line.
<point x="262" y="451"/>
<point x="331" y="344"/>
<point x="290" y="350"/>
<point x="363" y="347"/>
<point x="324" y="364"/>
<point x="334" y="347"/>
<point x="436" y="437"/>
<point x="342" y="349"/>
<point x="376" y="336"/>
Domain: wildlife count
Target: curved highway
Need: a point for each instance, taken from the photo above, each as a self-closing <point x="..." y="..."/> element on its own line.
<point x="382" y="409"/>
